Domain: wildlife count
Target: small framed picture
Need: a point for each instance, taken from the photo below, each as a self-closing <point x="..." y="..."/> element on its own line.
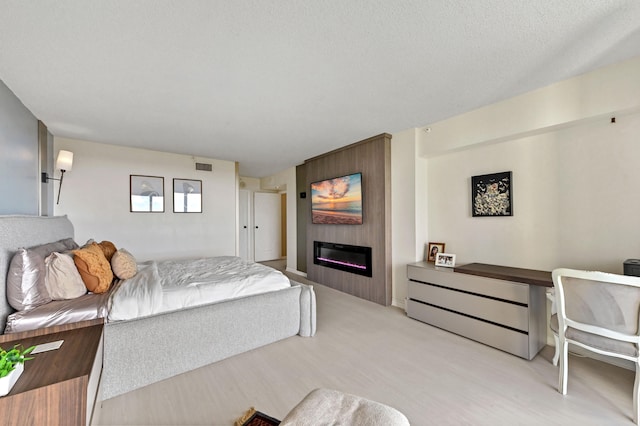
<point x="187" y="196"/>
<point x="146" y="194"/>
<point x="433" y="249"/>
<point x="446" y="259"/>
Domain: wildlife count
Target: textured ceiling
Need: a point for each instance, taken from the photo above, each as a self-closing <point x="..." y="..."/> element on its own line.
<point x="272" y="83"/>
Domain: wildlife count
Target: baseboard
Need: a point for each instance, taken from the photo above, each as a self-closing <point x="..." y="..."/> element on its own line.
<point x="295" y="271"/>
<point x="399" y="303"/>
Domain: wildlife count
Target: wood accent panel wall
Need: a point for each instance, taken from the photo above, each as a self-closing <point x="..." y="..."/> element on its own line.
<point x="372" y="158"/>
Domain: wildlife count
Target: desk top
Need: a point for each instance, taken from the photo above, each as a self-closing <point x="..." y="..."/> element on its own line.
<point x="520" y="275"/>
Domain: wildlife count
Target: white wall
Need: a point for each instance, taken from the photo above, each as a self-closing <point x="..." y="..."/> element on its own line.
<point x="574" y="177"/>
<point x="404" y="214"/>
<point x="589" y="96"/>
<point x="249" y="183"/>
<point x="575" y="199"/>
<point x="95" y="196"/>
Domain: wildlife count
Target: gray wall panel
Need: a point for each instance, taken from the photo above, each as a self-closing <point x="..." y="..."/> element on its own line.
<point x="19" y="171"/>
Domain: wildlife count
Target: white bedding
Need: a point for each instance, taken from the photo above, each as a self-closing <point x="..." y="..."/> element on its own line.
<point x="175" y="284"/>
<point x="87" y="307"/>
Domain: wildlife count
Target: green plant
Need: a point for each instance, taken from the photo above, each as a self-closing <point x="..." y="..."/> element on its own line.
<point x="9" y="359"/>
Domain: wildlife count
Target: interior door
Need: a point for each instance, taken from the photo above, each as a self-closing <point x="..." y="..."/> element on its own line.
<point x="266" y="235"/>
<point x="244" y="223"/>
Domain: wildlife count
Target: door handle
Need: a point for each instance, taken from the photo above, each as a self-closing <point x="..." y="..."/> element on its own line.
<point x="245" y="227"/>
<point x="256" y="227"/>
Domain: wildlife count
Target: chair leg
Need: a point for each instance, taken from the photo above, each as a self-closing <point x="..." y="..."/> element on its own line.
<point x="636" y="403"/>
<point x="564" y="366"/>
<point x="551" y="295"/>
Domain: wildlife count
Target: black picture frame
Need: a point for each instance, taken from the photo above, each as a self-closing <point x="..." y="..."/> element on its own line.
<point x="146" y="194"/>
<point x="187" y="196"/>
<point x="492" y="195"/>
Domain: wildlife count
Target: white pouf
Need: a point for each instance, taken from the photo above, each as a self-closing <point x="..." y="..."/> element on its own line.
<point x="331" y="407"/>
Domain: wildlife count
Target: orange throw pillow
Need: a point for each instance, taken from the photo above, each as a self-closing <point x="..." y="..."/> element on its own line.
<point x="108" y="248"/>
<point x="93" y="268"/>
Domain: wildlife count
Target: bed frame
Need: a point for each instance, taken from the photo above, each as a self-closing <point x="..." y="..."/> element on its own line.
<point x="146" y="350"/>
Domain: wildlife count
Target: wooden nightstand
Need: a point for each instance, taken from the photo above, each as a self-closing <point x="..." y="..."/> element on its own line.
<point x="57" y="387"/>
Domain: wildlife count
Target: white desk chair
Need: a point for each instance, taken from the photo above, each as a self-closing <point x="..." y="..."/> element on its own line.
<point x="599" y="312"/>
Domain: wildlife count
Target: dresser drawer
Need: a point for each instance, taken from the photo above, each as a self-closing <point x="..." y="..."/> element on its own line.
<point x="497" y="311"/>
<point x="511" y="341"/>
<point x="507" y="290"/>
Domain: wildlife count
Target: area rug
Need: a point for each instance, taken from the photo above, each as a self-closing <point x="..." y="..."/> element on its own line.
<point x="256" y="418"/>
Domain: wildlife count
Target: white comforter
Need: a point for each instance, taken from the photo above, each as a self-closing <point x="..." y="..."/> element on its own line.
<point x="175" y="284"/>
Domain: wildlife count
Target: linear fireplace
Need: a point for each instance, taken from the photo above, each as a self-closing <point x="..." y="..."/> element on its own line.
<point x="344" y="257"/>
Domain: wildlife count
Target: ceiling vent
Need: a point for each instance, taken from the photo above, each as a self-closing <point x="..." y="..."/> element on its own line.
<point x="204" y="167"/>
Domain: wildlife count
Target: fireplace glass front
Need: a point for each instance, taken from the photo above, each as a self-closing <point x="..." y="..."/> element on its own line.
<point x="344" y="257"/>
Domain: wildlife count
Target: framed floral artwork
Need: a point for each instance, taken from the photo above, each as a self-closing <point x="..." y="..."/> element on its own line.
<point x="492" y="195"/>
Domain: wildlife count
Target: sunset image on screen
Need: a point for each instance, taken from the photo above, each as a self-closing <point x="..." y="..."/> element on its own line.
<point x="337" y="201"/>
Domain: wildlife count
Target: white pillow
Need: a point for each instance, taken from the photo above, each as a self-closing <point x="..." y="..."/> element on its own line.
<point x="25" y="279"/>
<point x="123" y="264"/>
<point x="62" y="278"/>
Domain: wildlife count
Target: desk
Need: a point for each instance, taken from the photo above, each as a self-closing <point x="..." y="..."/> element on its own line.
<point x="57" y="387"/>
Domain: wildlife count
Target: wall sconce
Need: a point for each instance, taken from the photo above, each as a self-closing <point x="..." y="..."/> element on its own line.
<point x="64" y="164"/>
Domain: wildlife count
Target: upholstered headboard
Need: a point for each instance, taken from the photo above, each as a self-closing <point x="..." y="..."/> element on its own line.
<point x="25" y="231"/>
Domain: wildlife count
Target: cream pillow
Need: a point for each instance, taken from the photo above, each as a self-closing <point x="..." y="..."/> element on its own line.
<point x="123" y="264"/>
<point x="62" y="279"/>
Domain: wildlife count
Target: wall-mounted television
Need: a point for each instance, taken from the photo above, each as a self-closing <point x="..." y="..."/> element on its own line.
<point x="337" y="201"/>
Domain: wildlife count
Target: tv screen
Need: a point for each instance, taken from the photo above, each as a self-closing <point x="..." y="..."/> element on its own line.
<point x="337" y="201"/>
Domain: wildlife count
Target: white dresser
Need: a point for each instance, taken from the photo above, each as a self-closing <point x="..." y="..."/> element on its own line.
<point x="495" y="309"/>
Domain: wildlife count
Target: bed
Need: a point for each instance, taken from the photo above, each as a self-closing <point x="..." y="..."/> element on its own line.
<point x="208" y="332"/>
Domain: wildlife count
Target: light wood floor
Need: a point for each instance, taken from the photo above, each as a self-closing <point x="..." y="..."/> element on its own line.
<point x="377" y="352"/>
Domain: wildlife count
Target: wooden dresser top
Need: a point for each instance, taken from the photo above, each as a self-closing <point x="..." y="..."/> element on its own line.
<point x="520" y="275"/>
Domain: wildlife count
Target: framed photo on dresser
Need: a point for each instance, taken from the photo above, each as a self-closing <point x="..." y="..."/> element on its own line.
<point x="445" y="259"/>
<point x="432" y="250"/>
